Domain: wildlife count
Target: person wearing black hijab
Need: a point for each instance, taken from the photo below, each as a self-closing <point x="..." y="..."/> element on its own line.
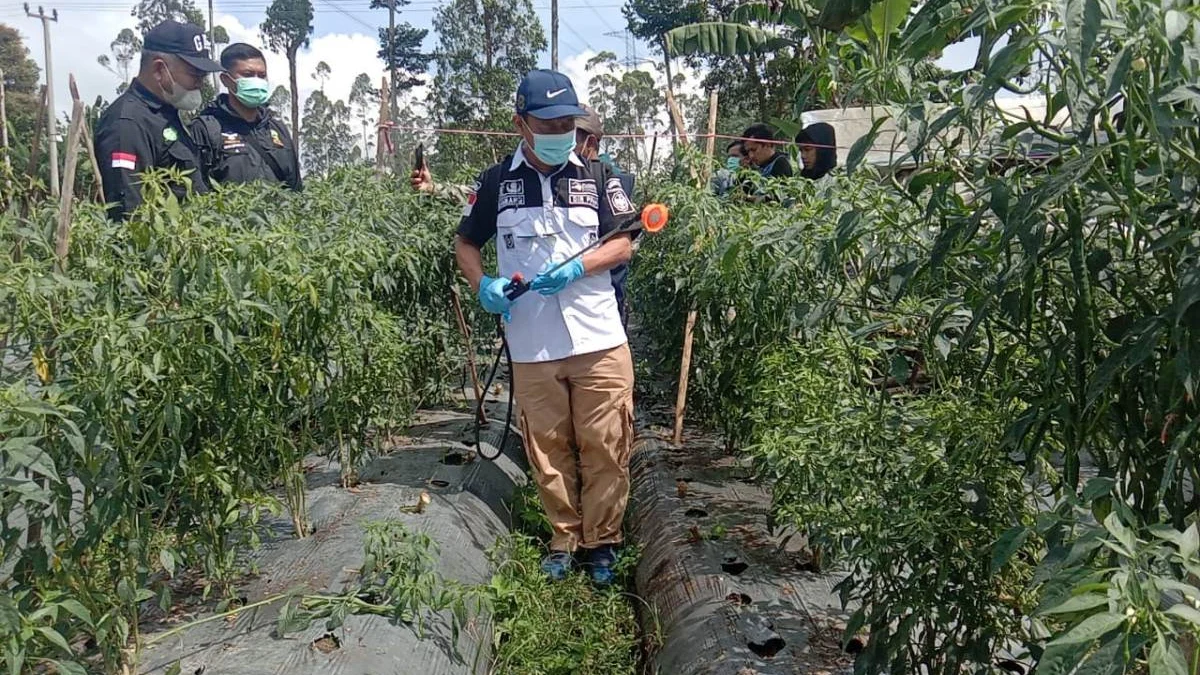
<point x="818" y="150"/>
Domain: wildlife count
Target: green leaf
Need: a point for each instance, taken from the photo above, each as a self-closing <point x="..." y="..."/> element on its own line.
<point x="1098" y="487"/>
<point x="175" y="668"/>
<point x="76" y="608"/>
<point x="1078" y="603"/>
<point x="167" y="559"/>
<point x="900" y="369"/>
<point x="1007" y="545"/>
<point x="10" y="615"/>
<point x="1176" y="24"/>
<point x="1091" y="628"/>
<point x="1061" y="659"/>
<point x="884" y="19"/>
<point x="1109" y="659"/>
<point x="721" y="39"/>
<point x="1117" y="71"/>
<point x="1123" y="534"/>
<point x="55" y="638"/>
<point x="862" y="145"/>
<point x="1166" y="658"/>
<point x="1082" y="19"/>
<point x="125" y="591"/>
<point x="69" y="668"/>
<point x="837" y="14"/>
<point x="1189" y="544"/>
<point x="1185" y="612"/>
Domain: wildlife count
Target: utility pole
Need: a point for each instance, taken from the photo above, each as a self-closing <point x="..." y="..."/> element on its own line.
<point x="51" y="121"/>
<point x="216" y="76"/>
<point x="392" y="57"/>
<point x="553" y="34"/>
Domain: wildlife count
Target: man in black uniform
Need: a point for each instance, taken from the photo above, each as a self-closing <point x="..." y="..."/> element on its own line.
<point x="240" y="140"/>
<point x="142" y="130"/>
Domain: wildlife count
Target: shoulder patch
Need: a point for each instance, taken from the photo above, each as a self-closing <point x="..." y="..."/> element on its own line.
<point x="472" y="197"/>
<point x="617" y="199"/>
<point x="276" y="138"/>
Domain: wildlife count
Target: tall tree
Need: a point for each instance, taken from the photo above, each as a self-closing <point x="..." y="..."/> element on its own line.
<point x="364" y="98"/>
<point x="484" y="47"/>
<point x="21" y="77"/>
<point x="281" y="103"/>
<point x="410" y="61"/>
<point x="125" y="50"/>
<point x="322" y="74"/>
<point x="328" y="140"/>
<point x="288" y="28"/>
<point x="150" y="13"/>
<point x="628" y="101"/>
<point x="400" y="49"/>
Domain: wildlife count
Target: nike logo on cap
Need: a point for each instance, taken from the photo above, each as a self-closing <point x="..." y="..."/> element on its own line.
<point x="555" y="94"/>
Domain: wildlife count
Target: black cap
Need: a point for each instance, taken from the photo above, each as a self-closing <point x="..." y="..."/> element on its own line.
<point x="548" y="95"/>
<point x="185" y="40"/>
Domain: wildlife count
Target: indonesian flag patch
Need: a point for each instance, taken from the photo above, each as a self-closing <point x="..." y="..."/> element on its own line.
<point x="124" y="160"/>
<point x="472" y="197"/>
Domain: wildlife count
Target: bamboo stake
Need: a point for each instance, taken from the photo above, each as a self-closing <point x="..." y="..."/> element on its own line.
<point x="466" y="333"/>
<point x="710" y="145"/>
<point x="685" y="367"/>
<point x="62" y="238"/>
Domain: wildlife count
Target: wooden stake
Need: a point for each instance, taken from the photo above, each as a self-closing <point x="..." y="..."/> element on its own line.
<point x="466" y="333"/>
<point x="383" y="138"/>
<point x="89" y="147"/>
<point x="676" y="118"/>
<point x="4" y="138"/>
<point x="685" y="367"/>
<point x="711" y="142"/>
<point x="62" y="238"/>
<point x="37" y="136"/>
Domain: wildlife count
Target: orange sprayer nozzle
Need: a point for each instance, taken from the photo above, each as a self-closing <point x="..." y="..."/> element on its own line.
<point x="655" y="217"/>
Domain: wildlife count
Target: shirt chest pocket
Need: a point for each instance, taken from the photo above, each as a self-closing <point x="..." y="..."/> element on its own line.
<point x="523" y="238"/>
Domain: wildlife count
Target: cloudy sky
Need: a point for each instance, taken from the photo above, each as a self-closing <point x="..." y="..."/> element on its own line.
<point x="345" y="37"/>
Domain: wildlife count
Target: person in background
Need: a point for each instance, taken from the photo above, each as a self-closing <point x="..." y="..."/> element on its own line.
<point x="764" y="152"/>
<point x="571" y="365"/>
<point x="141" y="129"/>
<point x="818" y="150"/>
<point x="725" y="179"/>
<point x="589" y="132"/>
<point x="240" y="141"/>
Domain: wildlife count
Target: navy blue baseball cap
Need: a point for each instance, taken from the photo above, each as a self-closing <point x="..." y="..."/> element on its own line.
<point x="185" y="40"/>
<point x="548" y="95"/>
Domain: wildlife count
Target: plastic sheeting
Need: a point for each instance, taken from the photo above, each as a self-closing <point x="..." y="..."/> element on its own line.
<point x="468" y="513"/>
<point x="728" y="600"/>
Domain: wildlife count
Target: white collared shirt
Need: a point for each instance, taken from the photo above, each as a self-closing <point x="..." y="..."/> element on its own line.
<point x="539" y="220"/>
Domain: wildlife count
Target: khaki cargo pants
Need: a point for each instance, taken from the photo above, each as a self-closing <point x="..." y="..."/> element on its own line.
<point x="577" y="420"/>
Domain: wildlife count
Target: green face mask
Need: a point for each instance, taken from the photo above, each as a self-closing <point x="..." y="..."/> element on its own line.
<point x="253" y="91"/>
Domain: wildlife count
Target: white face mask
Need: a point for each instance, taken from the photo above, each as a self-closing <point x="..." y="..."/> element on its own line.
<point x="183" y="99"/>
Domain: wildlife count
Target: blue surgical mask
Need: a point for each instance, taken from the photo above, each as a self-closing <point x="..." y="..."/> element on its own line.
<point x="733" y="163"/>
<point x="554" y="149"/>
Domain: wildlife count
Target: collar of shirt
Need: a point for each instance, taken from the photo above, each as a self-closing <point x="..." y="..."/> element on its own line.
<point x="519" y="159"/>
<point x="146" y="95"/>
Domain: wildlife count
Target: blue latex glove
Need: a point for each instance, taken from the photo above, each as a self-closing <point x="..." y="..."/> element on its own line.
<point x="550" y="283"/>
<point x="491" y="296"/>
